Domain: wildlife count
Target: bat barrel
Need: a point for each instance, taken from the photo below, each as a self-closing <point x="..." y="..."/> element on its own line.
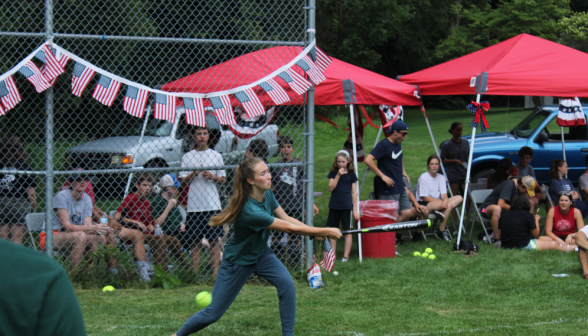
<point x="418" y="224"/>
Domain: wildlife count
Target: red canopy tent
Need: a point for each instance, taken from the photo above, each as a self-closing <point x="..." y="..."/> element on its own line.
<point x="522" y="65"/>
<point x="345" y="84"/>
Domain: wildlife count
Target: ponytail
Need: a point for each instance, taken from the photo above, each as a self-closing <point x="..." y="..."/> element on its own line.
<point x="242" y="189"/>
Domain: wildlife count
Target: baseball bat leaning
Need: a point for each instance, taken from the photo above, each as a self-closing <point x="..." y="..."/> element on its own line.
<point x="418" y="224"/>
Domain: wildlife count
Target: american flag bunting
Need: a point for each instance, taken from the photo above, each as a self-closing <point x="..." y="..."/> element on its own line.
<point x="251" y="102"/>
<point x="34" y="76"/>
<point x="135" y="101"/>
<point x="306" y="64"/>
<point x="2" y="111"/>
<point x="298" y="83"/>
<point x="165" y="107"/>
<point x="106" y="90"/>
<point x="9" y="94"/>
<point x="194" y="109"/>
<point x="328" y="256"/>
<point x="223" y="110"/>
<point x="275" y="91"/>
<point x="52" y="66"/>
<point x="80" y="78"/>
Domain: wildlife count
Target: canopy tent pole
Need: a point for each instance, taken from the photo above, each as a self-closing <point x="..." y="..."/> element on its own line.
<point x="351" y="113"/>
<point x="467" y="182"/>
<point x="438" y="155"/>
<point x="136" y="154"/>
<point x="563" y="145"/>
<point x="367" y="169"/>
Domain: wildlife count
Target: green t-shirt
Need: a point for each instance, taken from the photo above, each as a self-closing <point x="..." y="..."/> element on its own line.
<point x="174" y="217"/>
<point x="250" y="233"/>
<point x="36" y="297"/>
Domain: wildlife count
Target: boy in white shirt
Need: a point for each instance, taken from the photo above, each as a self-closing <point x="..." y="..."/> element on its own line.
<point x="203" y="200"/>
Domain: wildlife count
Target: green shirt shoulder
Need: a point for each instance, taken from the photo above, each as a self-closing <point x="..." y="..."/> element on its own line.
<point x="37" y="298"/>
<point x="174" y="217"/>
<point x="250" y="236"/>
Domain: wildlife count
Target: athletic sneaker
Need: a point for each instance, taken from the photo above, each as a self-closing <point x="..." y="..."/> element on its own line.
<point x="399" y="241"/>
<point x="417" y="237"/>
<point x="344" y="260"/>
<point x="497" y="243"/>
<point x="439" y="214"/>
<point x="444" y="235"/>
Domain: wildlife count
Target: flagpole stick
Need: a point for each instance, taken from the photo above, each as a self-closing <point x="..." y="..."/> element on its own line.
<point x="563" y="145"/>
<point x="467" y="182"/>
<point x="437" y="153"/>
<point x="352" y="114"/>
<point x="138" y="148"/>
<point x="367" y="170"/>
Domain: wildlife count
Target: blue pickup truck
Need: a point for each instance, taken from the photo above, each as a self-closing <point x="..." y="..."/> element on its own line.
<point x="540" y="132"/>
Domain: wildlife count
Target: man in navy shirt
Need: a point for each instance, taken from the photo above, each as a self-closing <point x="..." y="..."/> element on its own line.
<point x="390" y="168"/>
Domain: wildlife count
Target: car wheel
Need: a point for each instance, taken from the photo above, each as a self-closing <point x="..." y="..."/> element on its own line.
<point x="482" y="174"/>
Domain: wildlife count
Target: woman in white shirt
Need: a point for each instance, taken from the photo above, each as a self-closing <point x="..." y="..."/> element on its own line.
<point x="431" y="191"/>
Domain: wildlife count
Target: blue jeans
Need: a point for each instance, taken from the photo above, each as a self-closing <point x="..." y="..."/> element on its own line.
<point x="229" y="282"/>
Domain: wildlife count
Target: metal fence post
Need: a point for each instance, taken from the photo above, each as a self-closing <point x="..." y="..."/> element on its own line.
<point x="310" y="139"/>
<point x="49" y="142"/>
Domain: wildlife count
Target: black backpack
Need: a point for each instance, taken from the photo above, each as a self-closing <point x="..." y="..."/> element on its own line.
<point x="466" y="245"/>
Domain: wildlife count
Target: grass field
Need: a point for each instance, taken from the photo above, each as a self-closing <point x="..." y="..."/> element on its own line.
<point x="498" y="292"/>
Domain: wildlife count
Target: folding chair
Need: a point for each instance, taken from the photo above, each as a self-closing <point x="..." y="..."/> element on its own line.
<point x="432" y="217"/>
<point x="472" y="187"/>
<point x="482" y="180"/>
<point x="478" y="197"/>
<point x="34" y="223"/>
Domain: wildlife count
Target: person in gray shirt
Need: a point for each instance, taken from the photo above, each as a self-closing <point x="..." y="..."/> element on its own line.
<point x="525" y="169"/>
<point x="72" y="224"/>
<point x="454" y="156"/>
<point x="583" y="182"/>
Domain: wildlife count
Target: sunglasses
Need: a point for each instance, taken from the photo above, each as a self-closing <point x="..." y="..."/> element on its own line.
<point x="565" y="193"/>
<point x="404" y="134"/>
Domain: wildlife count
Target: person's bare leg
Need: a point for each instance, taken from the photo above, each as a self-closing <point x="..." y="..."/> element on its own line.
<point x="452" y="203"/>
<point x="582" y="240"/>
<point x="196" y="256"/>
<point x="543" y="245"/>
<point x="583" y="258"/>
<point x="174" y="244"/>
<point x="112" y="262"/>
<point x="493" y="211"/>
<point x="159" y="250"/>
<point x="75" y="242"/>
<point x="333" y="243"/>
<point x="18" y="233"/>
<point x="348" y="243"/>
<point x="138" y="242"/>
<point x="455" y="190"/>
<point x="215" y="255"/>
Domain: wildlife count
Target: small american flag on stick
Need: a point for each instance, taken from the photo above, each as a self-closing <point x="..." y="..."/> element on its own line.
<point x="80" y="78"/>
<point x="135" y="101"/>
<point x="328" y="256"/>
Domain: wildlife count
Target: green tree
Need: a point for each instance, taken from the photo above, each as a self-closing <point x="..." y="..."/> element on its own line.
<point x="575" y="31"/>
<point x="483" y="26"/>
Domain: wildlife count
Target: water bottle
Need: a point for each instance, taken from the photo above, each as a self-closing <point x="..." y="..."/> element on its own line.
<point x="157" y="230"/>
<point x="104" y="219"/>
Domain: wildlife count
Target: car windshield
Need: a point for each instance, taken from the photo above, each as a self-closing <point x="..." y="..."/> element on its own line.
<point x="526" y="127"/>
<point x="130" y="126"/>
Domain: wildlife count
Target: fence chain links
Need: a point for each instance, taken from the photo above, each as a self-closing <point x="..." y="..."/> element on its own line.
<point x="110" y="223"/>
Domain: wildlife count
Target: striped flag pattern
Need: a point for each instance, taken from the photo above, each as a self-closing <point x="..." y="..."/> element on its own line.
<point x="316" y="76"/>
<point x="135" y="101"/>
<point x="328" y="261"/>
<point x="275" y="91"/>
<point x="2" y="111"/>
<point x="165" y="107"/>
<point x="298" y="83"/>
<point x="9" y="94"/>
<point x="251" y="102"/>
<point x="223" y="109"/>
<point x="62" y="58"/>
<point x="80" y="78"/>
<point x="194" y="109"/>
<point x="106" y="90"/>
<point x="52" y="66"/>
<point x="34" y="76"/>
<point x="321" y="59"/>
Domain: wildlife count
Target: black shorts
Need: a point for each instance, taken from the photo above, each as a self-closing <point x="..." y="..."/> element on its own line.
<point x="458" y="182"/>
<point x="197" y="228"/>
<point x="296" y="214"/>
<point x="339" y="216"/>
<point x="423" y="203"/>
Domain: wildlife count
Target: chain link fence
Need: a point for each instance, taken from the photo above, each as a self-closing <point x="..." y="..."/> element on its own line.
<point x="154" y="182"/>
